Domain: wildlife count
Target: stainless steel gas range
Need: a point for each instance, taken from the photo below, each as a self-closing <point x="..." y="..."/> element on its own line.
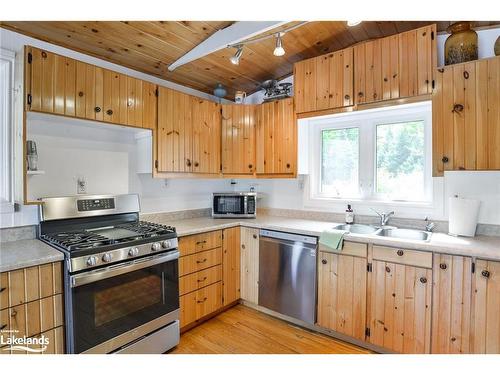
<point x="121" y="274"/>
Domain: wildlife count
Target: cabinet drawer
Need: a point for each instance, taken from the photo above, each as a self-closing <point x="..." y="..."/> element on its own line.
<point x="402" y="256"/>
<point x="350" y="248"/>
<point x="200" y="242"/>
<point x="199" y="261"/>
<point x="197" y="304"/>
<point x="199" y="279"/>
<point x="30" y="284"/>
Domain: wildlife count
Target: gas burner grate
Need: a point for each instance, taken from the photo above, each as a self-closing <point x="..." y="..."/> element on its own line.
<point x="77" y="240"/>
<point x="147" y="229"/>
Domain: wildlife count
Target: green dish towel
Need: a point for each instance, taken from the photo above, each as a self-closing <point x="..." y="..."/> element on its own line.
<point x="332" y="239"/>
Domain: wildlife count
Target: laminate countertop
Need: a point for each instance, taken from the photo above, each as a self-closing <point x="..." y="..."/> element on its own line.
<point x="484" y="247"/>
<point x="26" y="253"/>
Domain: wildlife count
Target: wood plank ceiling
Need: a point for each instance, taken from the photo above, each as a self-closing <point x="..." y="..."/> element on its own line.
<point x="150" y="46"/>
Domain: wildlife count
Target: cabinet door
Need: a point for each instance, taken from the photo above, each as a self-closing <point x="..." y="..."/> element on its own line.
<point x="305" y="85"/>
<point x="276" y="138"/>
<point x="238" y="139"/>
<point x="486" y="308"/>
<point x="208" y="300"/>
<point x="390" y="67"/>
<point x="341" y="75"/>
<point x="400" y="313"/>
<point x="206" y="136"/>
<point x="149" y="112"/>
<point x="368" y="71"/>
<point x="174" y="131"/>
<point x="249" y="285"/>
<point x="111" y="97"/>
<point x="134" y="102"/>
<point x="342" y="294"/>
<point x="451" y="306"/>
<point x="231" y="259"/>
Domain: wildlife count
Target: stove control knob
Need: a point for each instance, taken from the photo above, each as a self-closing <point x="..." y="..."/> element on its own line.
<point x="91" y="261"/>
<point x="133" y="252"/>
<point x="166" y="244"/>
<point x="106" y="258"/>
<point x="156" y="246"/>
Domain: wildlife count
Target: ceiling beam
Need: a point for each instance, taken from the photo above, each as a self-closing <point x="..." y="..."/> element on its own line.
<point x="233" y="34"/>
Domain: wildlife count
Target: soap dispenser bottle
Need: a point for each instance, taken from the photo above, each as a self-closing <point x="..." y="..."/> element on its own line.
<point x="349" y="215"/>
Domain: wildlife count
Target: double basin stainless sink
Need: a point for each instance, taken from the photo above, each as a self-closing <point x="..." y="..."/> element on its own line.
<point x="390" y="232"/>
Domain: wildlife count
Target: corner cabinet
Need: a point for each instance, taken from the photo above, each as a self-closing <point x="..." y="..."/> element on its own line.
<point x="465" y="117"/>
<point x="276" y="138"/>
<point x="342" y="290"/>
<point x="60" y="85"/>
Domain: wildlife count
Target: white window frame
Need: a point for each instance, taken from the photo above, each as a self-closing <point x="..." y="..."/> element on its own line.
<point x="367" y="121"/>
<point x="7" y="61"/>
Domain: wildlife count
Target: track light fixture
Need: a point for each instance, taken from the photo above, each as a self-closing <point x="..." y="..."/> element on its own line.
<point x="236" y="58"/>
<point x="353" y="23"/>
<point x="279" y="50"/>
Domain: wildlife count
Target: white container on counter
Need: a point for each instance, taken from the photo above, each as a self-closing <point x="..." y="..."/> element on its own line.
<point x="463" y="214"/>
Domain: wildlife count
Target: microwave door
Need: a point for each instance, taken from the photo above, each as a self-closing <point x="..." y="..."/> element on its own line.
<point x="229" y="205"/>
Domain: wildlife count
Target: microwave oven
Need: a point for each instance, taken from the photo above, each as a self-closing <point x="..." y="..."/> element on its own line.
<point x="234" y="205"/>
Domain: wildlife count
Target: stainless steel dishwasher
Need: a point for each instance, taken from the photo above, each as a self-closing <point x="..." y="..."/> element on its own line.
<point x="287" y="274"/>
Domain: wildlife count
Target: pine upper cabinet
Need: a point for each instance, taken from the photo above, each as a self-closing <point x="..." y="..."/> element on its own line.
<point x="486" y="308"/>
<point x="238" y="139"/>
<point x="231" y="260"/>
<point x="342" y="284"/>
<point x="400" y="300"/>
<point x="465" y="117"/>
<point x="451" y="313"/>
<point x="175" y="131"/>
<point x="206" y="117"/>
<point x="276" y="138"/>
<point x="249" y="284"/>
<point x="324" y="82"/>
<point x="397" y="66"/>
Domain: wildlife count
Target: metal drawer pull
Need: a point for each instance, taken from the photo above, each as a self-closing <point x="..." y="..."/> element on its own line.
<point x="201" y="261"/>
<point x="324" y="261"/>
<point x="13" y="313"/>
<point x="443" y="266"/>
<point x="2" y="289"/>
<point x="485" y="273"/>
<point x="202" y="280"/>
<point x="387" y="269"/>
<point x="201" y="242"/>
<point x="203" y="300"/>
<point x="423" y="280"/>
<point x="3" y="327"/>
<point x="400" y="253"/>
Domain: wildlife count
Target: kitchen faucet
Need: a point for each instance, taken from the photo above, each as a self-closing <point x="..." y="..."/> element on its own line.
<point x="384" y="217"/>
<point x="429" y="227"/>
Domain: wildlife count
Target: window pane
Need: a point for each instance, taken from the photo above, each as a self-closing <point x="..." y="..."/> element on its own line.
<point x="339" y="162"/>
<point x="400" y="161"/>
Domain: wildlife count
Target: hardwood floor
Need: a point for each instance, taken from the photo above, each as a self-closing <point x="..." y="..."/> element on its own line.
<point x="242" y="330"/>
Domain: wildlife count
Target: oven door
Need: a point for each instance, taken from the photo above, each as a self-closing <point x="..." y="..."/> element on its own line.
<point x="227" y="205"/>
<point x="116" y="305"/>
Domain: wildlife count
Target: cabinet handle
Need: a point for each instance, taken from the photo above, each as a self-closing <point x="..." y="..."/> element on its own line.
<point x="466" y="74"/>
<point x="13" y="313"/>
<point x="347" y="97"/>
<point x="445" y="159"/>
<point x="201" y="242"/>
<point x="385" y="79"/>
<point x="324" y="261"/>
<point x="201" y="280"/>
<point x="423" y="280"/>
<point x="374" y="95"/>
<point x="400" y="253"/>
<point x="288" y="165"/>
<point x="2" y="289"/>
<point x="201" y="261"/>
<point x="485" y="273"/>
<point x="97" y="109"/>
<point x="3" y="327"/>
<point x="254" y="236"/>
<point x="196" y="163"/>
<point x="457" y="108"/>
<point x="44" y="54"/>
<point x="387" y="269"/>
<point x="250" y="166"/>
<point x="443" y="266"/>
<point x="109" y="112"/>
<point x="360" y="94"/>
<point x="188" y="162"/>
<point x="80" y="93"/>
<point x="203" y="300"/>
<point x="243" y="246"/>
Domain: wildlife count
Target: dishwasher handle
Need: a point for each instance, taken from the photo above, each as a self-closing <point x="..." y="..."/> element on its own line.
<point x="292" y="237"/>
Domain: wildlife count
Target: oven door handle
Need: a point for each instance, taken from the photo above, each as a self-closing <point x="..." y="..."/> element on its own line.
<point x="101" y="274"/>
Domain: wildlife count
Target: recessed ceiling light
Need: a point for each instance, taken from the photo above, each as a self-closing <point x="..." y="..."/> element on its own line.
<point x="353" y="23"/>
<point x="279" y="50"/>
<point x="236" y="58"/>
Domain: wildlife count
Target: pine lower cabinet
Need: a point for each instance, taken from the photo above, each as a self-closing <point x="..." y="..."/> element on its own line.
<point x="200" y="276"/>
<point x="400" y="300"/>
<point x="238" y="139"/>
<point x="342" y="293"/>
<point x="231" y="260"/>
<point x="465" y="117"/>
<point x="31" y="305"/>
<point x="451" y="306"/>
<point x="486" y="308"/>
<point x="249" y="284"/>
<point x="276" y="138"/>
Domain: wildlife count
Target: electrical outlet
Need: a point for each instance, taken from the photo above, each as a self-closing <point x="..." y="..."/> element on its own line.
<point x="81" y="185"/>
